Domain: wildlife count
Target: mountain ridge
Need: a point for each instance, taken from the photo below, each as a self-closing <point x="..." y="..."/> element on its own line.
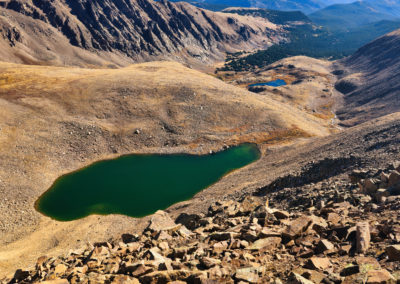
<point x="138" y="30"/>
<point x="353" y="15"/>
<point x="370" y="83"/>
<point x="306" y="6"/>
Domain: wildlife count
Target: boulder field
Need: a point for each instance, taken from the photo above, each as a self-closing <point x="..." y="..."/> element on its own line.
<point x="345" y="230"/>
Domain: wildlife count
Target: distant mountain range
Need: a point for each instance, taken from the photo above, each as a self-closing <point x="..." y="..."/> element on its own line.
<point x="306" y="6"/>
<point x="354" y="15"/>
<point x="274" y="16"/>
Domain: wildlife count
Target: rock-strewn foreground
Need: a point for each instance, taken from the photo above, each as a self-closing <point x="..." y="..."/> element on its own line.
<point x="346" y="230"/>
<point x="333" y="220"/>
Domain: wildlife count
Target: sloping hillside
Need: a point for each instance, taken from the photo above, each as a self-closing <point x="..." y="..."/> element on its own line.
<point x="371" y="80"/>
<point x="54" y="120"/>
<point x="295" y="224"/>
<point x="124" y="31"/>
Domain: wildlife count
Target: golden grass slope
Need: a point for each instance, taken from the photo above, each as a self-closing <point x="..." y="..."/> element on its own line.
<point x="54" y="120"/>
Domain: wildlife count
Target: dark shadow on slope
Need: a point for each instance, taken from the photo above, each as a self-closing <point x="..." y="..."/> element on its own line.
<point x="312" y="173"/>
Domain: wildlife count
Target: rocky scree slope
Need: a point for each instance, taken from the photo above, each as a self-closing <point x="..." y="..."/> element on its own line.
<point x="369" y="80"/>
<point x="333" y="221"/>
<point x="137" y="29"/>
<point x="350" y="236"/>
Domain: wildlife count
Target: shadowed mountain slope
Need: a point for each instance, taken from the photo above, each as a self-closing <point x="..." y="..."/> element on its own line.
<point x="371" y="81"/>
<point x="129" y="29"/>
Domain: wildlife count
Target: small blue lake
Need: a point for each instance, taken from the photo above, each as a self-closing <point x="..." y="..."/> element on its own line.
<point x="275" y="83"/>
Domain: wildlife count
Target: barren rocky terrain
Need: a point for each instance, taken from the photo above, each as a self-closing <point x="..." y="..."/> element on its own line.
<point x="55" y="120"/>
<point x="340" y="226"/>
<point x="319" y="206"/>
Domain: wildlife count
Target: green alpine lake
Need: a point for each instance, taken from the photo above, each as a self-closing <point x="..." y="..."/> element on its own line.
<point x="139" y="184"/>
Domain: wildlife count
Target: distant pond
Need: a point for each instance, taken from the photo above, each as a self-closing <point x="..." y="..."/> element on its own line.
<point x="138" y="185"/>
<point x="275" y="83"/>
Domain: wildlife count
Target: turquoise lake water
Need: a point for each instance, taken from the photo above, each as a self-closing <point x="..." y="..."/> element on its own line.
<point x="138" y="185"/>
<point x="275" y="83"/>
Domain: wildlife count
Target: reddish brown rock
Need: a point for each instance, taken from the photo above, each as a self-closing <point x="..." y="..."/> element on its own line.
<point x="268" y="232"/>
<point x="370" y="186"/>
<point x="161" y="221"/>
<point x="297" y="226"/>
<point x="298" y="279"/>
<point x="356" y="176"/>
<point x="281" y="214"/>
<point x="209" y="262"/>
<point x="367" y="263"/>
<point x="60" y="269"/>
<point x="379" y="277"/>
<point x="319" y="263"/>
<point x="394" y="178"/>
<point x="164" y="276"/>
<point x="333" y="218"/>
<point x="345" y="249"/>
<point x="65" y="281"/>
<point x="124" y="279"/>
<point x="265" y="244"/>
<point x="363" y="237"/>
<point x="381" y="195"/>
<point x="393" y="252"/>
<point x="384" y="177"/>
<point x="325" y="245"/>
<point x="223" y="236"/>
<point x="249" y="275"/>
